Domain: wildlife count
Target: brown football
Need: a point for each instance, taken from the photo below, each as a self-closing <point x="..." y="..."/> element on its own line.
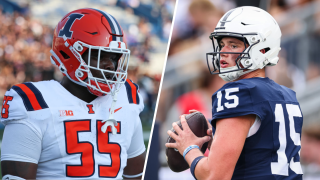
<point x="198" y="125"/>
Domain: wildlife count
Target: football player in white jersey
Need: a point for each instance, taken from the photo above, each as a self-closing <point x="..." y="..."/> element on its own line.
<point x="85" y="127"/>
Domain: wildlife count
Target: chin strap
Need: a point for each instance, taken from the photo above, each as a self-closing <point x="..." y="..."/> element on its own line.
<point x="111" y="122"/>
<point x="231" y="76"/>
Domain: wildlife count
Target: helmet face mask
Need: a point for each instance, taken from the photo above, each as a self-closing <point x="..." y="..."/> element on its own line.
<point x="84" y="40"/>
<point x="104" y="80"/>
<point x="215" y="56"/>
<point x="257" y="30"/>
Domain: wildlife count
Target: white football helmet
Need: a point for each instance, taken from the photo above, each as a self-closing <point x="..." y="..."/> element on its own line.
<point x="258" y="30"/>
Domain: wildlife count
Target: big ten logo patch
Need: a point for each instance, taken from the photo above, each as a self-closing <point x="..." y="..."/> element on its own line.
<point x="66" y="113"/>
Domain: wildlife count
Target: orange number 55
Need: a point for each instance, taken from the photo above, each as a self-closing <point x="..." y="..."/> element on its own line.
<point x="86" y="150"/>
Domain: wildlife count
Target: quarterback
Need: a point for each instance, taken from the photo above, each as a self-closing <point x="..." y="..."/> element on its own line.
<point x="257" y="121"/>
<point x="85" y="127"/>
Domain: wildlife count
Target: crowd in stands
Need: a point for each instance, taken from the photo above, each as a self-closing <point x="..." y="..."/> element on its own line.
<point x="24" y="51"/>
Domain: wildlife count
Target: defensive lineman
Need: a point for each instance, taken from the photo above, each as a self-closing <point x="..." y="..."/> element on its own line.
<point x="88" y="125"/>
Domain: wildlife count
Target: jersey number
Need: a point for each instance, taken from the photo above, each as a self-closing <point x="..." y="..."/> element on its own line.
<point x="282" y="166"/>
<point x="5" y="106"/>
<point x="228" y="97"/>
<point x="86" y="151"/>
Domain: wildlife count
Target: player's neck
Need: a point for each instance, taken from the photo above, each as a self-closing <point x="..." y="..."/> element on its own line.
<point x="253" y="74"/>
<point x="80" y="92"/>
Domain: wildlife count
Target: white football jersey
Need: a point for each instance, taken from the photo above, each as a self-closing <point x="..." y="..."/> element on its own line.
<point x="72" y="143"/>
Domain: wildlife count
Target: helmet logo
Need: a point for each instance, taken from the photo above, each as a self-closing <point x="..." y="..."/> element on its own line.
<point x="66" y="29"/>
<point x="119" y="44"/>
<point x="225" y="18"/>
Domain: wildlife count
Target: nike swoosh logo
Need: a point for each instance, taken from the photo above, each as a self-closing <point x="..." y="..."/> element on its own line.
<point x="116" y="109"/>
<point x="245" y="24"/>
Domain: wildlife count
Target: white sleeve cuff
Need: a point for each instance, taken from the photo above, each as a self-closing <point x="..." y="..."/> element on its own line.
<point x="136" y="153"/>
<point x="10" y="177"/>
<point x="132" y="176"/>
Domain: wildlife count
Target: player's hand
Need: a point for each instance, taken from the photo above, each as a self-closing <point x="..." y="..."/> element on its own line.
<point x="185" y="137"/>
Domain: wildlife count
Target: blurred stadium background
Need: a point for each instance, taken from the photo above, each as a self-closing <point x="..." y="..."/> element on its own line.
<point x="26" y="30"/>
<point x="187" y="83"/>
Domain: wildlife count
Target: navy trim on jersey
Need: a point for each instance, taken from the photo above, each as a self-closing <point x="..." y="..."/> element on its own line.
<point x="129" y="92"/>
<point x="132" y="92"/>
<point x="38" y="94"/>
<point x="26" y="99"/>
<point x="138" y="100"/>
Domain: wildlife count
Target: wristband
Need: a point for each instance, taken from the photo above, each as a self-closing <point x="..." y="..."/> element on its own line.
<point x="193" y="165"/>
<point x="188" y="149"/>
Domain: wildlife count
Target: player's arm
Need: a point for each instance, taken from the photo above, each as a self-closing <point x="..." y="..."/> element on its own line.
<point x="136" y="151"/>
<point x="225" y="150"/>
<point x="134" y="167"/>
<point x="22" y="137"/>
<point x="24" y="170"/>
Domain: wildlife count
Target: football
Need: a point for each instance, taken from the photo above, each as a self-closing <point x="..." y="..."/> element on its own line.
<point x="198" y="125"/>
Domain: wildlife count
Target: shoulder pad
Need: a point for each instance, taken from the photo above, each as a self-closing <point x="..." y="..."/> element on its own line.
<point x="20" y="100"/>
<point x="12" y="107"/>
<point x="249" y="96"/>
<point x="130" y="95"/>
<point x="31" y="96"/>
<point x="132" y="92"/>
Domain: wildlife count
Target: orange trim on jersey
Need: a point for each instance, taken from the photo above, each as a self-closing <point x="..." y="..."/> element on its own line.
<point x="31" y="96"/>
<point x="133" y="91"/>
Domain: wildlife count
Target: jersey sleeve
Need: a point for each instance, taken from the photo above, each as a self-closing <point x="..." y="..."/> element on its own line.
<point x="233" y="100"/>
<point x="20" y="143"/>
<point x="24" y="104"/>
<point x="24" y="101"/>
<point x="25" y="115"/>
<point x="137" y="146"/>
<point x="12" y="107"/>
